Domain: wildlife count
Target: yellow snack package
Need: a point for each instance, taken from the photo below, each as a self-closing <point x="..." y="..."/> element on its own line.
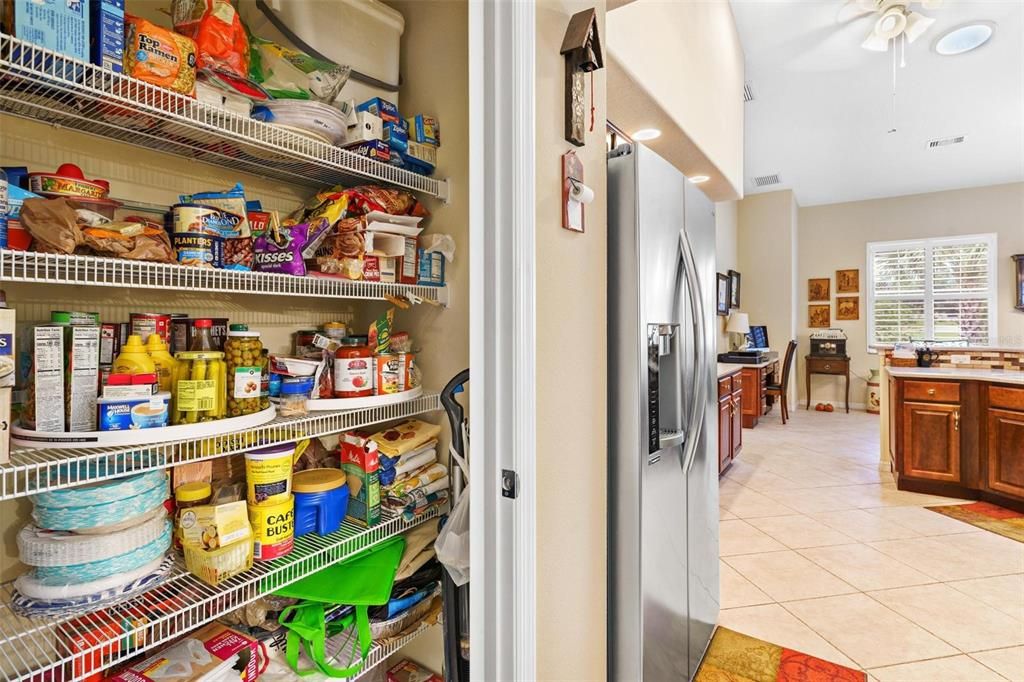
<point x="159" y="56"/>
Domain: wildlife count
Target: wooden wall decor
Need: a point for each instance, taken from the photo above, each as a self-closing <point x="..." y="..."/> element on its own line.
<point x="819" y="315"/>
<point x="847" y="307"/>
<point x="818" y="289"/>
<point x="848" y="281"/>
<point x="581" y="48"/>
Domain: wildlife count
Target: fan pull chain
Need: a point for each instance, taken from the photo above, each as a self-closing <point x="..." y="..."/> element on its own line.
<point x="893" y="129"/>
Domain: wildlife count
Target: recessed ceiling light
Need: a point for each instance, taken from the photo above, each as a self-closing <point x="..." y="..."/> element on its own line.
<point x="697" y="179"/>
<point x="965" y="38"/>
<point x="646" y="134"/>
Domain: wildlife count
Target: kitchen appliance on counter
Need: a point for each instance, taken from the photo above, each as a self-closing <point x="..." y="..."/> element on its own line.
<point x="828" y="343"/>
<point x="748" y="357"/>
<point x="662" y="447"/>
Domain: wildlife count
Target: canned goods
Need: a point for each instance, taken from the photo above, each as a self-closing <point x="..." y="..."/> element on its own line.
<point x="273" y="529"/>
<point x="147" y="324"/>
<point x="394" y="372"/>
<point x="202" y="219"/>
<point x="198" y="250"/>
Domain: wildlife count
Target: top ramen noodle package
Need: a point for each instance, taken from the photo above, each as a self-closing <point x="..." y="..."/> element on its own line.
<point x="159" y="56"/>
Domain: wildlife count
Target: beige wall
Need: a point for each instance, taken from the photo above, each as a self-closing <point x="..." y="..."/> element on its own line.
<point x="571" y="380"/>
<point x="687" y="56"/>
<point x="834" y="237"/>
<point x="767" y="252"/>
<point x="726" y="257"/>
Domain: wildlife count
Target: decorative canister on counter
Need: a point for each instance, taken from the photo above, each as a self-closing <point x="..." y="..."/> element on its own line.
<point x="268" y="474"/>
<point x="873" y="404"/>
<point x="273" y="529"/>
<point x="321" y="501"/>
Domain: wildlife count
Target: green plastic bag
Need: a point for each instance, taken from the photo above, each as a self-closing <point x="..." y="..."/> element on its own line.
<point x="362" y="581"/>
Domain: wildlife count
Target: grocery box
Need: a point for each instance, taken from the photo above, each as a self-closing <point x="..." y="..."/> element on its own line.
<point x="81" y="376"/>
<point x="424" y="129"/>
<point x="360" y="462"/>
<point x="110" y="343"/>
<point x="8" y="357"/>
<point x="420" y="158"/>
<point x="59" y="26"/>
<point x="397" y="136"/>
<point x="430" y="268"/>
<point x="213" y="652"/>
<point x="5" y="424"/>
<point x="374" y="149"/>
<point x="126" y="413"/>
<point x="368" y="127"/>
<point x="44" y="408"/>
<point x="211" y="526"/>
<point x="106" y="39"/>
<point x="380" y="107"/>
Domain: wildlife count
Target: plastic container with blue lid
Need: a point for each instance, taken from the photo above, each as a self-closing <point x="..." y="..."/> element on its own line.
<point x="321" y="500"/>
<point x="294" y="394"/>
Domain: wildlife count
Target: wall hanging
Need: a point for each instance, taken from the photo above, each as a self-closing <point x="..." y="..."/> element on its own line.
<point x="581" y="48"/>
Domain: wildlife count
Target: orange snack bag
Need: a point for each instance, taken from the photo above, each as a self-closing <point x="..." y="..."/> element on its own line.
<point x="159" y="56"/>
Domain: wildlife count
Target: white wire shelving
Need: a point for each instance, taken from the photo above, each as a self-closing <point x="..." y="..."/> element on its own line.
<point x="35" y="470"/>
<point x="54" y="268"/>
<point x="73" y="648"/>
<point x="45" y="86"/>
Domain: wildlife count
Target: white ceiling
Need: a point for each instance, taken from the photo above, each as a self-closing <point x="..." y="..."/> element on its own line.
<point x="823" y="104"/>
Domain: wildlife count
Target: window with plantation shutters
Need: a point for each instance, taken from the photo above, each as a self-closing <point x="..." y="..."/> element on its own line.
<point x="934" y="289"/>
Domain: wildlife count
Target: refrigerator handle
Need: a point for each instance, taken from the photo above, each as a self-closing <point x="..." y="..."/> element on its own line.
<point x="698" y="405"/>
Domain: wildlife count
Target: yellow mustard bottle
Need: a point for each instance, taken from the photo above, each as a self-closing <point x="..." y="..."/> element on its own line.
<point x="164" y="361"/>
<point x="133" y="358"/>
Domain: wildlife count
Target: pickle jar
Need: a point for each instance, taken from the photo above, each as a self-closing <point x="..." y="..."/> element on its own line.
<point x="199" y="387"/>
<point x="243" y="352"/>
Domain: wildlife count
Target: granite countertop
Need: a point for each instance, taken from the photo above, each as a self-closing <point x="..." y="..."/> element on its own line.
<point x="959" y="349"/>
<point x="995" y="375"/>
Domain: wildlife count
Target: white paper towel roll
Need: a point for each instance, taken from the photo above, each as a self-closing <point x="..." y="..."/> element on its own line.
<point x="581" y="193"/>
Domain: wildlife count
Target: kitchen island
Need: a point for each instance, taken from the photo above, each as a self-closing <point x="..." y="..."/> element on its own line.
<point x="958" y="432"/>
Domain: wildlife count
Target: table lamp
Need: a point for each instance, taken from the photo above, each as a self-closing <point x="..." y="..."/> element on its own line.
<point x="738" y="323"/>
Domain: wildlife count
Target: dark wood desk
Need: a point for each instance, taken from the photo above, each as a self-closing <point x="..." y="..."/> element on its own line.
<point x="820" y="364"/>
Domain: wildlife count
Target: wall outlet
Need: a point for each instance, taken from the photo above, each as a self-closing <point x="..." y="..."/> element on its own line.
<point x="960" y="359"/>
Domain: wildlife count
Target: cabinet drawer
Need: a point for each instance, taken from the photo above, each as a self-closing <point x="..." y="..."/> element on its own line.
<point x="932" y="391"/>
<point x="1006" y="397"/>
<point x="827" y="365"/>
<point x="724" y="386"/>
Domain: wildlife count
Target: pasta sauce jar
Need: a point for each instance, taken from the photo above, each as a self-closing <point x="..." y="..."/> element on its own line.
<point x="353" y="370"/>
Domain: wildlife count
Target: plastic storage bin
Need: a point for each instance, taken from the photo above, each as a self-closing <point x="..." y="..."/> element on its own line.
<point x="321" y="501"/>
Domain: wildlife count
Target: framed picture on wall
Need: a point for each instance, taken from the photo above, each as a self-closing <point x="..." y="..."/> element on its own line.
<point x="1019" y="302"/>
<point x="722" y="295"/>
<point x="818" y="289"/>
<point x="847" y="307"/>
<point x="734" y="289"/>
<point x="848" y="281"/>
<point x="819" y="315"/>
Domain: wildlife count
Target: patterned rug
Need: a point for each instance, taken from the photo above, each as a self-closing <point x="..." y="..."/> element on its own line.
<point x="999" y="520"/>
<point x="733" y="657"/>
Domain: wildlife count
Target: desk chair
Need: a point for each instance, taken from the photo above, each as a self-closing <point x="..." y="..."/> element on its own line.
<point x="779" y="389"/>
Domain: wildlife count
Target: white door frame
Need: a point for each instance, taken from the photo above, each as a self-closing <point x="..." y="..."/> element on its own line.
<point x="502" y="338"/>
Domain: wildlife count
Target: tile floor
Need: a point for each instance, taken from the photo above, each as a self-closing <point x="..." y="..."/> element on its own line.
<point x="822" y="554"/>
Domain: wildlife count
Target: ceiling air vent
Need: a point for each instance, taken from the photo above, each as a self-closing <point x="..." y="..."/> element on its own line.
<point x="748" y="94"/>
<point x="765" y="180"/>
<point x="945" y="141"/>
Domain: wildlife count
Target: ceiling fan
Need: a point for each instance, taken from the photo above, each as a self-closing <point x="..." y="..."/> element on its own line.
<point x="892" y="19"/>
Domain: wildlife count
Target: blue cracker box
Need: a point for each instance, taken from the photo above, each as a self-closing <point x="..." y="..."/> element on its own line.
<point x="124" y="414"/>
<point x="58" y="25"/>
<point x="107" y="34"/>
<point x="397" y="136"/>
<point x="425" y="130"/>
<point x="431" y="269"/>
<point x="381" y="107"/>
<point x="374" y="149"/>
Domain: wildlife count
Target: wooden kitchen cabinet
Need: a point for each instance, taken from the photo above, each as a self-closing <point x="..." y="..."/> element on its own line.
<point x="730" y="419"/>
<point x="931" y="441"/>
<point x="1006" y="452"/>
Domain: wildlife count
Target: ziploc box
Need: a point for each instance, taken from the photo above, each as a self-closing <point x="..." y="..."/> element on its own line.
<point x="425" y="130"/>
<point x="361" y="464"/>
<point x="81" y="376"/>
<point x="44" y="408"/>
<point x="58" y="25"/>
<point x="374" y="149"/>
<point x="380" y="107"/>
<point x="106" y="39"/>
<point x="396" y="135"/>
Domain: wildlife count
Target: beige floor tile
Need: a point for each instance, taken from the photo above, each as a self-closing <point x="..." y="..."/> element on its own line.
<point x="800" y="531"/>
<point x="774" y="624"/>
<point x="865" y="526"/>
<point x="786" y="576"/>
<point x="1004" y="592"/>
<point x="952" y="669"/>
<point x="865" y="567"/>
<point x="737" y="591"/>
<point x="963" y="621"/>
<point x="736" y="536"/>
<point x="752" y="504"/>
<point x="945" y="561"/>
<point x="725" y="514"/>
<point x="1007" y="662"/>
<point x="923" y="521"/>
<point x="811" y="500"/>
<point x="868" y="632"/>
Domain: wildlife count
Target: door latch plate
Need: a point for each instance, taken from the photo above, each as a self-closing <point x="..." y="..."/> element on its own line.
<point x="509" y="484"/>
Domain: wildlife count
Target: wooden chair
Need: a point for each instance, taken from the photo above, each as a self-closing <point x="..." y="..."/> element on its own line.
<point x="779" y="389"/>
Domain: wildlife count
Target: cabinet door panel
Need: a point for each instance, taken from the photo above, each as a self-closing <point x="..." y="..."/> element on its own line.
<point x="751" y="392"/>
<point x="1006" y="452"/>
<point x="737" y="423"/>
<point x="724" y="433"/>
<point x="931" y="441"/>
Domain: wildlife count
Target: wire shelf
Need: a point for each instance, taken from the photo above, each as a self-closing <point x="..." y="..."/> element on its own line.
<point x="43" y="85"/>
<point x="36" y="470"/>
<point x="53" y="268"/>
<point x="73" y="648"/>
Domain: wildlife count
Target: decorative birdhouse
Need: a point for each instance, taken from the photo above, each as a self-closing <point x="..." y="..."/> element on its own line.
<point x="581" y="48"/>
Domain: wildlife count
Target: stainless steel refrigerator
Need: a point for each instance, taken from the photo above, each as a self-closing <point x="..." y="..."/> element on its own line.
<point x="663" y="594"/>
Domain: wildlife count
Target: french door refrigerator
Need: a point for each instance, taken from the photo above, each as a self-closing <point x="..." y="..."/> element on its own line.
<point x="663" y="593"/>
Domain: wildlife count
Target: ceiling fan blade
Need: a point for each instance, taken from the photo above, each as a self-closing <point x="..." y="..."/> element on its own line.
<point x="854" y="9"/>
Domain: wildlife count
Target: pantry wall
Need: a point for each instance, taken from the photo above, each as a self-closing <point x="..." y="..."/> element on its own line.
<point x="434" y="79"/>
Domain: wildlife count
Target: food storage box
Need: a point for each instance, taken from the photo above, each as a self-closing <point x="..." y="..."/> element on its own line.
<point x="81" y="376"/>
<point x="7" y="354"/>
<point x="44" y="404"/>
<point x="107" y="33"/>
<point x="59" y="26"/>
<point x="361" y="464"/>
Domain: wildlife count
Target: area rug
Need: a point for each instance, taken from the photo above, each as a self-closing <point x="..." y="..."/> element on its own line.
<point x="734" y="657"/>
<point x="992" y="517"/>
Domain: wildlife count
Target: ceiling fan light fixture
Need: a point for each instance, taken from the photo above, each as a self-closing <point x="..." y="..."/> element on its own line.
<point x="917" y="24"/>
<point x="891" y="23"/>
<point x="874" y="43"/>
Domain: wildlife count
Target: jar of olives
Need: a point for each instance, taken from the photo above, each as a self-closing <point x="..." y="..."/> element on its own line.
<point x="243" y="353"/>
